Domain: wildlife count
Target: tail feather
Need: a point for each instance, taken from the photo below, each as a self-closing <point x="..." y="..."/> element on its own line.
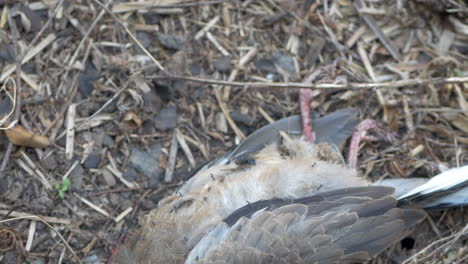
<point x="448" y="189"/>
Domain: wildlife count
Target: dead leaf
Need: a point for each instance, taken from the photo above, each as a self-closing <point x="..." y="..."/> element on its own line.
<point x="132" y="120"/>
<point x="18" y="135"/>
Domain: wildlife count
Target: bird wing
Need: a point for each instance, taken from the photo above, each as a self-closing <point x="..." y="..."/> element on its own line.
<point x="340" y="226"/>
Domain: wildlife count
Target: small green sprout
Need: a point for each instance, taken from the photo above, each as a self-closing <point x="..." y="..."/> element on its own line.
<point x="63" y="187"/>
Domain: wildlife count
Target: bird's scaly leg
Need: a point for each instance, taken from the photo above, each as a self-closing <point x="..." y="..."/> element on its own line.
<point x="305" y="96"/>
<point x="360" y="133"/>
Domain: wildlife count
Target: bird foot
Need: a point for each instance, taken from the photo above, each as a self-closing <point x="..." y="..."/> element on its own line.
<point x="360" y="133"/>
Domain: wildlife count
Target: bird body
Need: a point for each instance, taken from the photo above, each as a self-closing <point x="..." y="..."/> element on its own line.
<point x="295" y="170"/>
<point x="297" y="203"/>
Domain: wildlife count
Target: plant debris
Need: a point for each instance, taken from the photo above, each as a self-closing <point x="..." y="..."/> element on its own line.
<point x="124" y="98"/>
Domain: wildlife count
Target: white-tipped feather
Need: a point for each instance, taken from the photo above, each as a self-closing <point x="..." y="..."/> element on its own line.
<point x="442" y="182"/>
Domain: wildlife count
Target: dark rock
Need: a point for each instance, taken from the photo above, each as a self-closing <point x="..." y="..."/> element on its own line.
<point x="148" y="127"/>
<point x="172" y="42"/>
<point x="144" y="38"/>
<point x="147" y="204"/>
<point x="34" y="19"/>
<point x="223" y="64"/>
<point x="6" y="105"/>
<point x="285" y="61"/>
<point x="152" y="18"/>
<point x="162" y="89"/>
<point x="146" y="163"/>
<point x="86" y="79"/>
<point x="265" y="66"/>
<point x="167" y="118"/>
<point x="92" y="161"/>
<point x="7" y="53"/>
<point x="245" y="119"/>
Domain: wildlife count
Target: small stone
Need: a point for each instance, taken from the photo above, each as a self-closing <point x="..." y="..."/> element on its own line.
<point x="7" y="53"/>
<point x="266" y="66"/>
<point x="90" y="259"/>
<point x="5" y="107"/>
<point x="92" y="161"/>
<point x="144" y="38"/>
<point x="285" y="62"/>
<point x="245" y="119"/>
<point x="86" y="79"/>
<point x="166" y="118"/>
<point x="223" y="64"/>
<point x="146" y="164"/>
<point x="173" y="42"/>
<point x="147" y="204"/>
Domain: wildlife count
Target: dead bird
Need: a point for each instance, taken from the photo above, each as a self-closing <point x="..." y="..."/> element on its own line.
<point x="299" y="204"/>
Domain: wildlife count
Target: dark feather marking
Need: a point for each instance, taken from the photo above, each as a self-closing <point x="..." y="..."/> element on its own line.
<point x="269" y="205"/>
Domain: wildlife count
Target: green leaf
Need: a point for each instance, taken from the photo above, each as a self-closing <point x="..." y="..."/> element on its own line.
<point x="63" y="187"/>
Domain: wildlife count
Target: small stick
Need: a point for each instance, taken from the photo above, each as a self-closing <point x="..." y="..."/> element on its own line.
<point x="123" y="214"/>
<point x="31" y="232"/>
<point x="93" y="206"/>
<point x="185" y="148"/>
<point x="324" y="86"/>
<point x="70" y="143"/>
<point x="172" y="158"/>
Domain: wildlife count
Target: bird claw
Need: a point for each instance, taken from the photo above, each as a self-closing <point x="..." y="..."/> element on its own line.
<point x="360" y="133"/>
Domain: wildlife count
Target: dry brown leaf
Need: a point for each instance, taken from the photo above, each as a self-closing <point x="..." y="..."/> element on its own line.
<point x="18" y="135"/>
<point x="132" y="121"/>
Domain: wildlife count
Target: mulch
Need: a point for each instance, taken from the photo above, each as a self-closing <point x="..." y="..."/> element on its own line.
<point x="108" y="106"/>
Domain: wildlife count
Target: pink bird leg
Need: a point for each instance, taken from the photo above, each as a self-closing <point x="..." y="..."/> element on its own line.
<point x="305" y="95"/>
<point x="360" y="133"/>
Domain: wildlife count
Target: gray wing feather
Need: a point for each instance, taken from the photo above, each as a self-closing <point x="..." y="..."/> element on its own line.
<point x="352" y="227"/>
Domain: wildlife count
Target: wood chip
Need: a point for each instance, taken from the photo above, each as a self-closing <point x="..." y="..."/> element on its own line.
<point x="93" y="206"/>
<point x="70" y="144"/>
<point x="172" y="159"/>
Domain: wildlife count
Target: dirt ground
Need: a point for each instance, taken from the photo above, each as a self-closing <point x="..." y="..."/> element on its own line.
<point x="117" y="101"/>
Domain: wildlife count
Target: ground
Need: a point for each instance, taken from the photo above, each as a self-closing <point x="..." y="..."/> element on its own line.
<point x="117" y="102"/>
